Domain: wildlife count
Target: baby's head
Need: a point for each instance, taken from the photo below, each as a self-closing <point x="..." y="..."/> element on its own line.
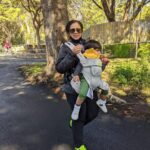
<point x="92" y="49"/>
<point x="93" y="44"/>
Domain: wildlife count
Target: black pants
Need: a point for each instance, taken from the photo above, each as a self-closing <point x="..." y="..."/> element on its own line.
<point x="89" y="110"/>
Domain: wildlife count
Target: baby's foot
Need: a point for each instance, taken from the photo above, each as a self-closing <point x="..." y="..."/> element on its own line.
<point x="102" y="105"/>
<point x="75" y="112"/>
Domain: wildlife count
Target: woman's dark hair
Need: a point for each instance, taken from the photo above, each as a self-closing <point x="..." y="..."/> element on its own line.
<point x="92" y="44"/>
<point x="71" y="22"/>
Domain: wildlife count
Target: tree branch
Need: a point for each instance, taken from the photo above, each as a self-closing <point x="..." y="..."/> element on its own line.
<point x="97" y="5"/>
<point x="26" y="7"/>
<point x="127" y="10"/>
<point x="112" y="8"/>
<point x="138" y="9"/>
<point x="146" y="1"/>
<point x="109" y="11"/>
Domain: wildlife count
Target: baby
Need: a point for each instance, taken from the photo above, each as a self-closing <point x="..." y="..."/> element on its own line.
<point x="93" y="62"/>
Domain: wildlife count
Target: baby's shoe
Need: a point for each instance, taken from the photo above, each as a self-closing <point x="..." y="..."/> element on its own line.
<point x="102" y="105"/>
<point x="75" y="112"/>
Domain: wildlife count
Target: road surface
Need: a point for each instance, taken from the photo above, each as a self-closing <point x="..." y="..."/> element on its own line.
<point x="33" y="118"/>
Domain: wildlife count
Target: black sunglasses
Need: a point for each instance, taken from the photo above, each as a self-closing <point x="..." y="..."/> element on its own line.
<point x="73" y="30"/>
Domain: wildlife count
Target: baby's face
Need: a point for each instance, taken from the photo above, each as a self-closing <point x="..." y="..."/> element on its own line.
<point x="98" y="51"/>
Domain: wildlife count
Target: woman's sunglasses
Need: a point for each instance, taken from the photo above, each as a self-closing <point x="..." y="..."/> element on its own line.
<point x="73" y="30"/>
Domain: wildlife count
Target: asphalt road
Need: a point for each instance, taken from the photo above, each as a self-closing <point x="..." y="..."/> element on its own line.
<point x="33" y="118"/>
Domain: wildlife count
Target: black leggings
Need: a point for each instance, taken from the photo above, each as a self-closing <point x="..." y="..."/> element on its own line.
<point x="89" y="111"/>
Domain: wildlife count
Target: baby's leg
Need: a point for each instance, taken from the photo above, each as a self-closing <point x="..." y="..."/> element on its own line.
<point x="103" y="95"/>
<point x="101" y="102"/>
<point x="84" y="87"/>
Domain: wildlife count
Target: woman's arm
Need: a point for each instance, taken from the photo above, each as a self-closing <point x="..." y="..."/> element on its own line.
<point x="78" y="69"/>
<point x="66" y="60"/>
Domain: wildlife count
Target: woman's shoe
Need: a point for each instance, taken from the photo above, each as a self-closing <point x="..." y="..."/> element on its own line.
<point x="82" y="147"/>
<point x="70" y="123"/>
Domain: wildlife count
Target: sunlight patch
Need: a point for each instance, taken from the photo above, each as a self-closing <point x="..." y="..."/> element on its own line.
<point x="9" y="147"/>
<point x="8" y="88"/>
<point x="21" y="93"/>
<point x="49" y="97"/>
<point x="3" y="111"/>
<point x="61" y="147"/>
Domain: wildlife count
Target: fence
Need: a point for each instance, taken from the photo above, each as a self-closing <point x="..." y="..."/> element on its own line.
<point x="119" y="32"/>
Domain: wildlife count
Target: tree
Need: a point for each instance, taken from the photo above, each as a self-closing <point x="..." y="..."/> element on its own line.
<point x="86" y="11"/>
<point x="55" y="17"/>
<point x="131" y="8"/>
<point x="35" y="10"/>
<point x="8" y="25"/>
<point x="145" y="13"/>
<point x="110" y="10"/>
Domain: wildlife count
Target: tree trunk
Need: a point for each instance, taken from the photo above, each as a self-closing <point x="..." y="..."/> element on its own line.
<point x="138" y="38"/>
<point x="55" y="18"/>
<point x="109" y="9"/>
<point x="28" y="31"/>
<point x="38" y="38"/>
<point x="137" y="11"/>
<point x="127" y="10"/>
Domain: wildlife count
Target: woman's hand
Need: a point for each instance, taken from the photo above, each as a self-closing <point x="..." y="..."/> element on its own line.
<point x="76" y="78"/>
<point x="77" y="49"/>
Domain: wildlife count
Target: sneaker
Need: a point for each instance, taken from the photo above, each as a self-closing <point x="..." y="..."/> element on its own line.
<point x="70" y="123"/>
<point x="75" y="112"/>
<point x="82" y="147"/>
<point x="102" y="105"/>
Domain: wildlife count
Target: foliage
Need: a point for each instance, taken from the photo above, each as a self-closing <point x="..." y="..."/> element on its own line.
<point x="1" y="48"/>
<point x="33" y="7"/>
<point x="133" y="74"/>
<point x="121" y="50"/>
<point x="27" y="28"/>
<point x="93" y="15"/>
<point x="33" y="69"/>
<point x="86" y="11"/>
<point x="144" y="51"/>
<point x="16" y="23"/>
<point x="9" y="27"/>
<point x="100" y="11"/>
<point x="145" y="13"/>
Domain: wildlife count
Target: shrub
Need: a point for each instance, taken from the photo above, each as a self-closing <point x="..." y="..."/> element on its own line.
<point x="135" y="75"/>
<point x="1" y="48"/>
<point x="144" y="51"/>
<point x="121" y="50"/>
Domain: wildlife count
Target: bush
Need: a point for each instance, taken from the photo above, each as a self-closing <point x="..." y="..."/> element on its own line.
<point x="144" y="51"/>
<point x="1" y="48"/>
<point x="135" y="75"/>
<point x="121" y="50"/>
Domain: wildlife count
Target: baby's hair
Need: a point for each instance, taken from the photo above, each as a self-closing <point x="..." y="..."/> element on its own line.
<point x="92" y="44"/>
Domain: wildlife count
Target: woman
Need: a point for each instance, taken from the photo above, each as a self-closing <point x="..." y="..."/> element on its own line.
<point x="66" y="63"/>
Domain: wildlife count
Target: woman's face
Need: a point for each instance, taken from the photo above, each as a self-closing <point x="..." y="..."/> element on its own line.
<point x="75" y="31"/>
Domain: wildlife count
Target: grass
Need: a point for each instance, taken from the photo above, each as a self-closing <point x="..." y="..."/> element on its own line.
<point x="33" y="70"/>
<point x="123" y="89"/>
